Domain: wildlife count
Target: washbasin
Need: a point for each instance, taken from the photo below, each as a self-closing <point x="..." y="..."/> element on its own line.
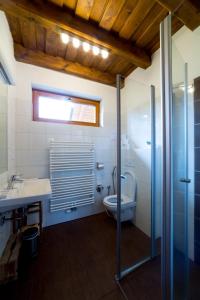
<point x="26" y="192"/>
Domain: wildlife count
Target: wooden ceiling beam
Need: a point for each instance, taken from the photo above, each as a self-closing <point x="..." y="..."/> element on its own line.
<point x="56" y="19"/>
<point x="83" y="8"/>
<point x="41" y="59"/>
<point x="186" y="11"/>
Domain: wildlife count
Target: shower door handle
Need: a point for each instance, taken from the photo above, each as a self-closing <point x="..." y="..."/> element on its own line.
<point x="186" y="180"/>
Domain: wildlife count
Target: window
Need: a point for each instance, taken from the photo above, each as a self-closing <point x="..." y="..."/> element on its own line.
<point x="52" y="107"/>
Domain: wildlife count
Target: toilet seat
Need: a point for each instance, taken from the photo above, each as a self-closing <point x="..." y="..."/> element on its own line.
<point x="111" y="201"/>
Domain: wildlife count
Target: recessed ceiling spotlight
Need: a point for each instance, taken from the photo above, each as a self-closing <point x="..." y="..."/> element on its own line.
<point x="76" y="42"/>
<point x="86" y="46"/>
<point x="104" y="53"/>
<point x="64" y="38"/>
<point x="95" y="50"/>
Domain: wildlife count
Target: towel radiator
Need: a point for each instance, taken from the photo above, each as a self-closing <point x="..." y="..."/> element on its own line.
<point x="71" y="174"/>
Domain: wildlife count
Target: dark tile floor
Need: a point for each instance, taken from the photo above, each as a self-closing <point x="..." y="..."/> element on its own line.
<point x="77" y="262"/>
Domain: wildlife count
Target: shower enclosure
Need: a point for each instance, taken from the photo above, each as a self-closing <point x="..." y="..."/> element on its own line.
<point x="158" y="134"/>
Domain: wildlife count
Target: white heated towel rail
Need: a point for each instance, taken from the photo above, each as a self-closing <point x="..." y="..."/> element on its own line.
<point x="71" y="175"/>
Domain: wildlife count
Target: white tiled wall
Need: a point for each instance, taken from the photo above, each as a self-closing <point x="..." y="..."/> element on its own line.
<point x="32" y="138"/>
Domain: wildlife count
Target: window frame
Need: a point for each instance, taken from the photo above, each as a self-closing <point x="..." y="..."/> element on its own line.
<point x="36" y="93"/>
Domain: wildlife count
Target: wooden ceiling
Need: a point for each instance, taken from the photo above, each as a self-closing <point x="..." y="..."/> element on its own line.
<point x="128" y="29"/>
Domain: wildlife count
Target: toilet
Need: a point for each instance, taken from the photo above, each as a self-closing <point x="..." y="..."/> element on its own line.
<point x="128" y="198"/>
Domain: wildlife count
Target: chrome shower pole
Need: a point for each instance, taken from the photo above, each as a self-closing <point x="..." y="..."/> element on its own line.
<point x="153" y="171"/>
<point x="186" y="206"/>
<point x="118" y="244"/>
<point x="167" y="184"/>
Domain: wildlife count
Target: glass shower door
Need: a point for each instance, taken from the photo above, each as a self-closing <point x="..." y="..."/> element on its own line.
<point x="180" y="175"/>
<point x="136" y="174"/>
<point x="178" y="171"/>
<point x="186" y="269"/>
<point x="137" y="226"/>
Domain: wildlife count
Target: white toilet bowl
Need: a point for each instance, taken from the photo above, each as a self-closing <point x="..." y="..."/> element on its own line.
<point x="128" y="201"/>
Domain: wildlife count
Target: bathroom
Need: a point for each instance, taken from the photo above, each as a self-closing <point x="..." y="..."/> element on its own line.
<point x="93" y="186"/>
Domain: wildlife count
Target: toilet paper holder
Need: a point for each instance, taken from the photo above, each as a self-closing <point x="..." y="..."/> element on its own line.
<point x="99" y="166"/>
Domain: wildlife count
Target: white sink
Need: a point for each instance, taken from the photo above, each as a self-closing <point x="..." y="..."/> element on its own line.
<point x="26" y="192"/>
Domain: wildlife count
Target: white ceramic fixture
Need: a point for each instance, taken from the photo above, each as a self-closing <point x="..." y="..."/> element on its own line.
<point x="26" y="192"/>
<point x="128" y="199"/>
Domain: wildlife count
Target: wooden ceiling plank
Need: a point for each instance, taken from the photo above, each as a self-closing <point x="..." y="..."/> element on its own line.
<point x="28" y="33"/>
<point x="124" y="14"/>
<point x="57" y="2"/>
<point x="135" y="18"/>
<point x="112" y="65"/>
<point x="126" y="67"/>
<point x="129" y="70"/>
<point x="153" y="15"/>
<point x="88" y="60"/>
<point x="176" y="25"/>
<point x="155" y="41"/>
<point x="83" y="8"/>
<point x="61" y="48"/>
<point x="80" y="55"/>
<point x="103" y="66"/>
<point x="111" y="13"/>
<point x="154" y="44"/>
<point x="71" y="53"/>
<point x="96" y="62"/>
<point x="186" y="11"/>
<point x="150" y="31"/>
<point x="118" y="67"/>
<point x="170" y="5"/>
<point x="51" y="43"/>
<point x="41" y="59"/>
<point x="40" y="37"/>
<point x="98" y="9"/>
<point x="71" y="4"/>
<point x="196" y="3"/>
<point x="15" y="28"/>
<point x="55" y="18"/>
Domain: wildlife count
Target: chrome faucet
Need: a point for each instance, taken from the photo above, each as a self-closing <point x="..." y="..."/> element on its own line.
<point x="122" y="176"/>
<point x="14" y="178"/>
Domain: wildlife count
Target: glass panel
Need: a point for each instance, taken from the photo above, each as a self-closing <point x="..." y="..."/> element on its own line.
<point x="186" y="157"/>
<point x="136" y="174"/>
<point x="180" y="175"/>
<point x="3" y="128"/>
